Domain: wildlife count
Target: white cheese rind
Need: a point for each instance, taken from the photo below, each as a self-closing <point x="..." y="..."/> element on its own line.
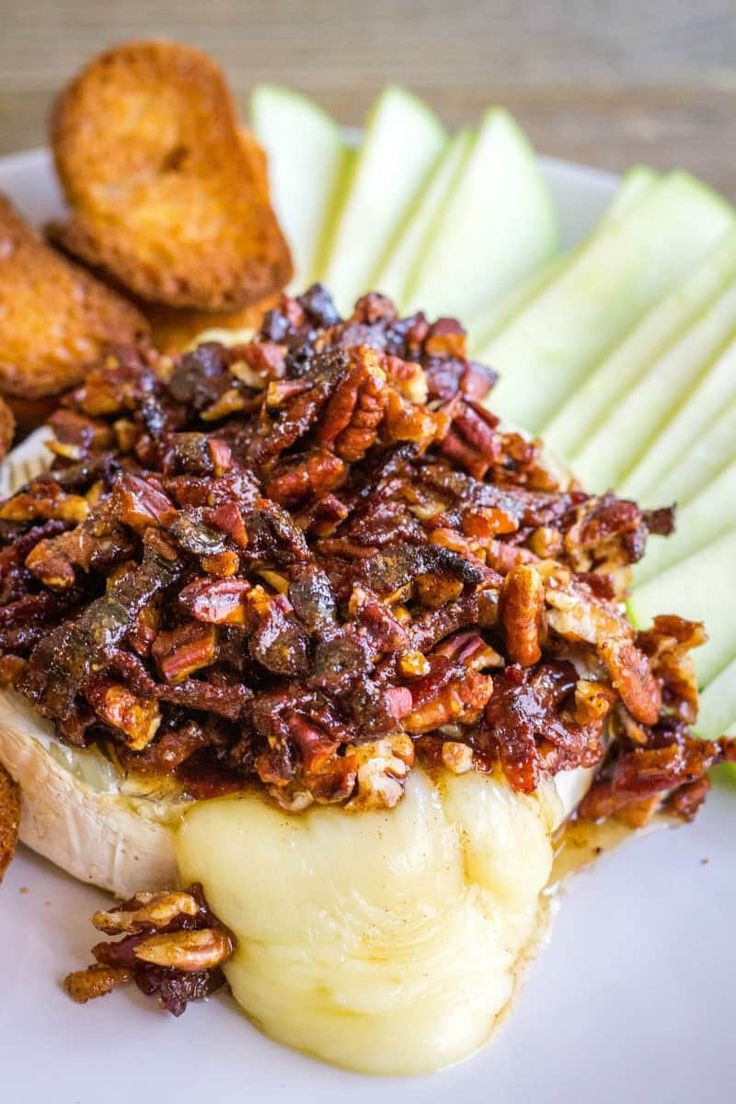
<point x="94" y="832"/>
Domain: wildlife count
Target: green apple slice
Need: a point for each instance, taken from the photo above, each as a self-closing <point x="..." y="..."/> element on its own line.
<point x="717" y="715"/>
<point x="702" y="462"/>
<point x="704" y="519"/>
<point x="637" y="183"/>
<point x="643" y="412"/>
<point x="307" y="162"/>
<point x="717" y="712"/>
<point x="393" y="273"/>
<point x="699" y="588"/>
<point x="588" y="406"/>
<point x="716" y="388"/>
<point x="497" y="226"/>
<point x="634" y="186"/>
<point x="611" y="282"/>
<point x="401" y="144"/>
<point x="493" y="318"/>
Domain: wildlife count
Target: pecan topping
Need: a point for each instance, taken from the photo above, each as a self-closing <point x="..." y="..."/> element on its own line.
<point x="95" y="981"/>
<point x="305" y="562"/>
<point x="173" y="947"/>
<point x="190" y="951"/>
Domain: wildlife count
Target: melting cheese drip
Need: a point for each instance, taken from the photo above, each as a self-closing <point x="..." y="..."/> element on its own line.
<point x="382" y="942"/>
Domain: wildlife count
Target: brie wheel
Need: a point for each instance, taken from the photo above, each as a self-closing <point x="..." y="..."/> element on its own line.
<point x="78" y="811"/>
<point x="385" y="942"/>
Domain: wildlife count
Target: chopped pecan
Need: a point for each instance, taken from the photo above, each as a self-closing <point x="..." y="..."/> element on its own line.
<point x="147" y="910"/>
<point x="355" y="411"/>
<point x="137" y="718"/>
<point x="190" y="951"/>
<point x="139" y="504"/>
<point x="632" y="676"/>
<point x="48" y="502"/>
<point x="95" y="981"/>
<point x="381" y="771"/>
<point x="522" y="614"/>
<point x="460" y="700"/>
<point x="318" y="472"/>
<point x="181" y="652"/>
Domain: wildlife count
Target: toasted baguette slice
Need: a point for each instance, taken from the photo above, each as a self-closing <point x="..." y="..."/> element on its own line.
<point x="167" y="197"/>
<point x="7" y="427"/>
<point x="56" y="318"/>
<point x="9" y="818"/>
<point x="29" y="414"/>
<point x="175" y="330"/>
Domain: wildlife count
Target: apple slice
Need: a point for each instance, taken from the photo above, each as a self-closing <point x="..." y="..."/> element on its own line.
<point x="704" y="519"/>
<point x="637" y="183"/>
<point x="717" y="712"/>
<point x="717" y="715"/>
<point x="588" y="407"/>
<point x="493" y="318"/>
<point x="701" y="589"/>
<point x="497" y="226"/>
<point x="642" y="413"/>
<point x="715" y="389"/>
<point x="307" y="162"/>
<point x="634" y="186"/>
<point x="401" y="144"/>
<point x="703" y="461"/>
<point x="393" y="273"/>
<point x="550" y="347"/>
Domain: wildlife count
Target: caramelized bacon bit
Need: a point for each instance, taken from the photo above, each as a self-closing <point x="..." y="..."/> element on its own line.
<point x="218" y="601"/>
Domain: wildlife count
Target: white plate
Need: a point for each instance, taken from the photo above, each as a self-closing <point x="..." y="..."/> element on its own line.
<point x="634" y="1000"/>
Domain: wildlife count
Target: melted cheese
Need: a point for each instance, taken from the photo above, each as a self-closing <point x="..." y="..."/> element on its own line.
<point x="383" y="942"/>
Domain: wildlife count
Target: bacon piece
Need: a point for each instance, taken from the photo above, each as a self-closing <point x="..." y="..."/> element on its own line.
<point x="218" y="601"/>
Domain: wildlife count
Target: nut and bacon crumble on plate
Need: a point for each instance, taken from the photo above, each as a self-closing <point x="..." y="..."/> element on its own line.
<point x="305" y="562"/>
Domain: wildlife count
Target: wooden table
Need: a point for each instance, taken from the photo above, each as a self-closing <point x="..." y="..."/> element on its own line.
<point x="606" y="82"/>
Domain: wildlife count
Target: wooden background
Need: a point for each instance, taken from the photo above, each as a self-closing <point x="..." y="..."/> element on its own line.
<point x="606" y="82"/>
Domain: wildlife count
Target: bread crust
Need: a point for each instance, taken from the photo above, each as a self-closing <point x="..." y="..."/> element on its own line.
<point x="9" y="818"/>
<point x="56" y="318"/>
<point x="174" y="331"/>
<point x="167" y="197"/>
<point x="29" y="414"/>
<point x="7" y="427"/>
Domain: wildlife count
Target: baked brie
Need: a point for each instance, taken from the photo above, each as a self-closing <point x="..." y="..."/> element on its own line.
<point x="298" y="622"/>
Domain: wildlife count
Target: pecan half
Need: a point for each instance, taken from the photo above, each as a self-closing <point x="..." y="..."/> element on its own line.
<point x="190" y="951"/>
<point x="522" y="614"/>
